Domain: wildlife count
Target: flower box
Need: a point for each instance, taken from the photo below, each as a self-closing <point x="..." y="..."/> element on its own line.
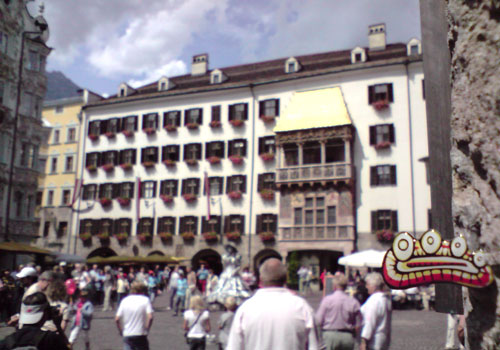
<point x="149" y="131"/>
<point x="237" y="123"/>
<point x="268" y="118"/>
<point x="144" y="237"/>
<point x="85" y="237"/>
<point x="104" y="236"/>
<point x="110" y="135"/>
<point x="380" y="105"/>
<point x="91" y="168"/>
<point x="121" y="237"/>
<point x="188" y="197"/>
<point x="124" y="201"/>
<point x="93" y="137"/>
<point x="192" y="126"/>
<point x="215" y="124"/>
<point x="267" y="236"/>
<point x="126" y="166"/>
<point x="237" y="160"/>
<point x="266" y="157"/>
<point x="169" y="163"/>
<point x="234" y="195"/>
<point x="214" y="160"/>
<point x="233" y="236"/>
<point x="187" y="236"/>
<point x="128" y="133"/>
<point x="192" y="162"/>
<point x="166" y="198"/>
<point x="210" y="236"/>
<point x="165" y="236"/>
<point x="148" y="164"/>
<point x="108" y="167"/>
<point x="267" y="194"/>
<point x="105" y="202"/>
<point x="171" y="128"/>
<point x="385" y="236"/>
<point x="383" y="145"/>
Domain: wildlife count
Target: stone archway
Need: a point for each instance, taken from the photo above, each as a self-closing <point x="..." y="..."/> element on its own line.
<point x="263" y="255"/>
<point x="210" y="257"/>
<point x="104" y="252"/>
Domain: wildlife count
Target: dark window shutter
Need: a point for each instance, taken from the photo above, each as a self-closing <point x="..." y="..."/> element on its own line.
<point x="227" y="220"/>
<point x="101" y="190"/>
<point x="163" y="153"/>
<point x="221" y="187"/>
<point x="99" y="159"/>
<point x="134" y="156"/>
<point x="198" y="151"/>
<point x="165" y="123"/>
<point x="261" y="145"/>
<point x="132" y="186"/>
<point x="156" y="154"/>
<point x="244" y="184"/>
<point x="242" y="225"/>
<point x="259" y="224"/>
<point x="156" y="120"/>
<point x="183" y="190"/>
<point x="120" y="124"/>
<point x="228" y="184"/>
<point x="392" y="135"/>
<point x="116" y="226"/>
<point x="87" y="161"/>
<point x="245" y="111"/>
<point x="374" y="221"/>
<point x="197" y="188"/>
<point x="176" y="182"/>
<point x="275" y="224"/>
<point x="144" y="118"/>
<point x="371" y="92"/>
<point x="135" y="122"/>
<point x="394" y="217"/>
<point x="230" y="112"/>
<point x="390" y="93"/>
<point x="120" y="156"/>
<point x="261" y="108"/>
<point x="116" y="155"/>
<point x="208" y="148"/>
<point x="244" y="148"/>
<point x="142" y="155"/>
<point x="259" y="182"/>
<point x="373" y="135"/>
<point x="373" y="176"/>
<point x="116" y="190"/>
<point x="103" y="127"/>
<point x="204" y="225"/>
<point x="182" y="225"/>
<point x="222" y="151"/>
<point x="177" y="153"/>
<point x="277" y="107"/>
<point x="393" y="174"/>
<point x="186" y="114"/>
<point x="230" y="148"/>
<point x="186" y="147"/>
<point x="200" y="118"/>
<point x="155" y="184"/>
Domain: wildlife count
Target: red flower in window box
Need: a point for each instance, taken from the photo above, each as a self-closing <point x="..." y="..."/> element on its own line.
<point x="110" y="134"/>
<point x="91" y="168"/>
<point x="103" y="236"/>
<point x="169" y="162"/>
<point x="192" y="126"/>
<point x="124" y="201"/>
<point x="166" y="198"/>
<point x="267" y="194"/>
<point x="191" y="162"/>
<point x="108" y="167"/>
<point x="85" y="237"/>
<point x="380" y="105"/>
<point x="148" y="164"/>
<point x="266" y="157"/>
<point x="233" y="236"/>
<point x="268" y="118"/>
<point x="144" y="237"/>
<point x="187" y="236"/>
<point x="105" y="202"/>
<point x="267" y="236"/>
<point x="171" y="128"/>
<point x="93" y="137"/>
<point x="234" y="195"/>
<point x="237" y="160"/>
<point x="121" y="237"/>
<point x="188" y="197"/>
<point x="128" y="133"/>
<point x="385" y="236"/>
<point x="214" y="160"/>
<point x="236" y="123"/>
<point x="383" y="145"/>
<point x="126" y="166"/>
<point x="165" y="236"/>
<point x="149" y="131"/>
<point x="215" y="124"/>
<point x="210" y="237"/>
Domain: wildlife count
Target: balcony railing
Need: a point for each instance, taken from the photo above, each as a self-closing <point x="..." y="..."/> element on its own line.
<point x="327" y="233"/>
<point x="333" y="171"/>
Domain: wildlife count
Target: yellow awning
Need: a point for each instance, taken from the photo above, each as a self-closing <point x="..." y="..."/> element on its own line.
<point x="322" y="108"/>
<point x="21" y="248"/>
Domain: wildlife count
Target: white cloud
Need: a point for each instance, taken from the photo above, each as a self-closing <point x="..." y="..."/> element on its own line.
<point x="170" y="69"/>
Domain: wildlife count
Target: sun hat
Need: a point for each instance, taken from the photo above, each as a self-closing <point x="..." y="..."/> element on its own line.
<point x="27" y="272"/>
<point x="31" y="314"/>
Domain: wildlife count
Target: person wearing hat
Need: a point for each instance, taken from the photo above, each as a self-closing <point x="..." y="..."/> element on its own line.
<point x="26" y="277"/>
<point x="35" y="310"/>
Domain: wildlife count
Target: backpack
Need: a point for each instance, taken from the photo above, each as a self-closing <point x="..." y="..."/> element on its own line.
<point x="11" y="342"/>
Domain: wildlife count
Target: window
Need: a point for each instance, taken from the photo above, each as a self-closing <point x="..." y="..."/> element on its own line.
<point x="128" y="156"/>
<point x="335" y="151"/>
<point x="62" y="230"/>
<point x="46" y="228"/>
<point x="123" y="226"/>
<point x="380" y="134"/>
<point x="238" y="111"/>
<point x="215" y="184"/>
<point x="266" y="181"/>
<point x="297" y="216"/>
<point x="385" y="220"/>
<point x="193" y="116"/>
<point x="71" y="135"/>
<point x="267" y="145"/>
<point x="145" y="226"/>
<point x="149" y="154"/>
<point x="216" y="113"/>
<point x="106" y="226"/>
<point x="189" y="224"/>
<point x="214" y="149"/>
<point x="291" y="151"/>
<point x="191" y="186"/>
<point x="172" y="118"/>
<point x="234" y="223"/>
<point x="89" y="192"/>
<point x="311" y="152"/>
<point x="381" y="175"/>
<point x="170" y="152"/>
<point x="122" y="92"/>
<point x="414" y="50"/>
<point x="53" y="165"/>
<point x="106" y="191"/>
<point x="4" y="41"/>
<point x="192" y="151"/>
<point x="39" y="195"/>
<point x="236" y="183"/>
<point x="267" y="223"/>
<point x="112" y="126"/>
<point x="148" y="189"/>
<point x="163" y="86"/>
<point x="87" y="227"/>
<point x="32" y="156"/>
<point x="57" y="134"/>
<point x="238" y="148"/>
<point x="129" y="123"/>
<point x="169" y="187"/>
<point x="126" y="190"/>
<point x="150" y="121"/>
<point x="315" y="212"/>
<point x="94" y="128"/>
<point x="211" y="225"/>
<point x="93" y="159"/>
<point x="216" y="79"/>
<point x="59" y="109"/>
<point x="68" y="167"/>
<point x="332" y="215"/>
<point x="50" y="198"/>
<point x="380" y="92"/>
<point x="109" y="157"/>
<point x="269" y="108"/>
<point x="166" y="224"/>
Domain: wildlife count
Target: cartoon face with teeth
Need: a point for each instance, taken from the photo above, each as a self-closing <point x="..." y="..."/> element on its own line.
<point x="411" y="262"/>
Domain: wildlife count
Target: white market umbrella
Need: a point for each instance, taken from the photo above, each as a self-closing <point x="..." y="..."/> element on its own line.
<point x="366" y="258"/>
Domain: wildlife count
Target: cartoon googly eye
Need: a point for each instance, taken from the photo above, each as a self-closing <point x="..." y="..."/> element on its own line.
<point x="430" y="241"/>
<point x="479" y="259"/>
<point x="403" y="246"/>
<point x="458" y="246"/>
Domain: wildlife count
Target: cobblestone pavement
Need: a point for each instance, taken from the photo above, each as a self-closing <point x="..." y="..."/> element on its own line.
<point x="411" y="329"/>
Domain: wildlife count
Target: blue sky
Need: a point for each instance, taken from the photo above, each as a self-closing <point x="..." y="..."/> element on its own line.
<point x="100" y="43"/>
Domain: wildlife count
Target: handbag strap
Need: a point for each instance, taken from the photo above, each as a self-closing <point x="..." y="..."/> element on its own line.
<point x="196" y="321"/>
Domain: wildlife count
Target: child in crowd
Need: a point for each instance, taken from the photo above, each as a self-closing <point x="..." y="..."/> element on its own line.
<point x="225" y="321"/>
<point x="83" y="317"/>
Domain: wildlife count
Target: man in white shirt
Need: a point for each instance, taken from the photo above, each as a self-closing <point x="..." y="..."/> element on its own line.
<point x="172" y="286"/>
<point x="274" y="318"/>
<point x="135" y="317"/>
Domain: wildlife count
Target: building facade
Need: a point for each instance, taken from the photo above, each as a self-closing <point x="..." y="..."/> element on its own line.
<point x="318" y="154"/>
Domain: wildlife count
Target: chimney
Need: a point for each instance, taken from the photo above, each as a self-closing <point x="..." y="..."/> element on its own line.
<point x="200" y="64"/>
<point x="376" y="36"/>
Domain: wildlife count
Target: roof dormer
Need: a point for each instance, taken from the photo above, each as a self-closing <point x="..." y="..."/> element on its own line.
<point x="125" y="90"/>
<point x="165" y="84"/>
<point x="358" y="54"/>
<point x="292" y="65"/>
<point x="217" y="77"/>
<point x="414" y="47"/>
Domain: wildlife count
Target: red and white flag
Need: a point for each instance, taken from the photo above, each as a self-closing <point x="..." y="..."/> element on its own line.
<point x="207" y="189"/>
<point x="77" y="190"/>
<point x="138" y="197"/>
